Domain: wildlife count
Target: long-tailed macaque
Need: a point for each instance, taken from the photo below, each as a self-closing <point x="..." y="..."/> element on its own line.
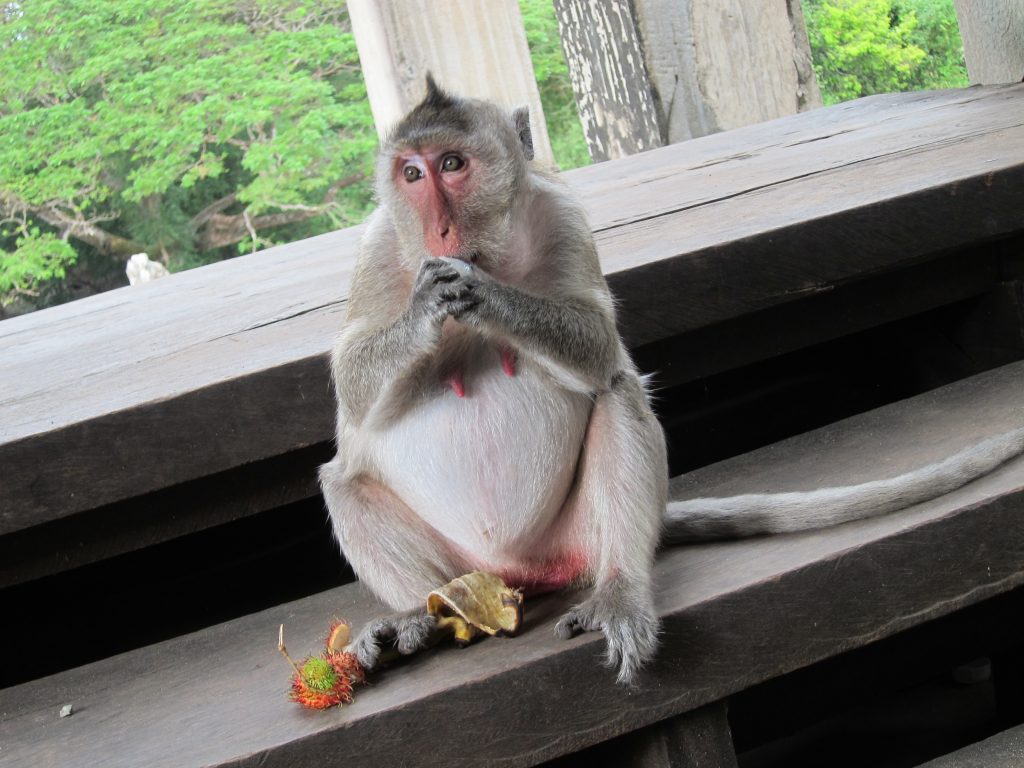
<point x="489" y="416"/>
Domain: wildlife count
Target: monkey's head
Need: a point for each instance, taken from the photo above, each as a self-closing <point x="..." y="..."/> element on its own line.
<point x="450" y="173"/>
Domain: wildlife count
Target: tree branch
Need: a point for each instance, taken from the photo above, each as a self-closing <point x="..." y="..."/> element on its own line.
<point x="105" y="242"/>
<point x="219" y="230"/>
<point x="209" y="211"/>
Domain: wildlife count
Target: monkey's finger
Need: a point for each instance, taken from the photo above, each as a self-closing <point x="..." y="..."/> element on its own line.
<point x="457" y="293"/>
<point x="437" y="270"/>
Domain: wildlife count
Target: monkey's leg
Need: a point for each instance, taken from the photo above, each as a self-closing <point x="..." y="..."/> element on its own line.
<point x="617" y="509"/>
<point x="394" y="553"/>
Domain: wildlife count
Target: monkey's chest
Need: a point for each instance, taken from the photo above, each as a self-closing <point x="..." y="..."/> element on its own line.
<point x="492" y="468"/>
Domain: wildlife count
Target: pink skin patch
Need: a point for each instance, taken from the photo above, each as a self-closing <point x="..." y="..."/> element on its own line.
<point x="458" y="387"/>
<point x="545" y="577"/>
<point x="434" y="192"/>
<point x="508" y="361"/>
<point x="508" y="365"/>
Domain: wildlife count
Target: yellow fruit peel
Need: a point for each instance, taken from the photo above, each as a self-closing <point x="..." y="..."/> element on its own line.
<point x="476" y="602"/>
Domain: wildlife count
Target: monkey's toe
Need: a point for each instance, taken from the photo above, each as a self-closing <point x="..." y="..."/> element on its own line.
<point x="414" y="632"/>
<point x="631" y="631"/>
<point x="405" y="632"/>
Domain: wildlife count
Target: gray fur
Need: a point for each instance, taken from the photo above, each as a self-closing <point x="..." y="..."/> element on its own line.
<point x="407" y="632"/>
<point x="521" y="120"/>
<point x="586" y="477"/>
<point x="753" y="514"/>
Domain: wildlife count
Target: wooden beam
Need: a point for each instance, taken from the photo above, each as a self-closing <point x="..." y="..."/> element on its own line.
<point x="1004" y="750"/>
<point x="690" y="235"/>
<point x="735" y="614"/>
<point x="993" y="36"/>
<point x="476" y="48"/>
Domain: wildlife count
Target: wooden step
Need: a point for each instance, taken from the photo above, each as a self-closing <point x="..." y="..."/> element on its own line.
<point x="1004" y="750"/>
<point x="735" y="614"/>
<point x="153" y="386"/>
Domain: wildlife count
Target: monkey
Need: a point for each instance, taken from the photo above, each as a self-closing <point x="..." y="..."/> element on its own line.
<point x="489" y="416"/>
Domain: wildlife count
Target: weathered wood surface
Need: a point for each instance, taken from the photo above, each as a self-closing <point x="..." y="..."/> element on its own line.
<point x="1004" y="750"/>
<point x="993" y="37"/>
<point x="717" y="64"/>
<point x="735" y="613"/>
<point x="616" y="105"/>
<point x="142" y="388"/>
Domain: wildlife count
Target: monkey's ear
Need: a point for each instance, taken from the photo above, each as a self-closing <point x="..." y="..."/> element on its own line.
<point x="521" y="122"/>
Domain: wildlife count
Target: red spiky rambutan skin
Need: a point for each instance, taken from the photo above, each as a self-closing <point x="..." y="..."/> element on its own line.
<point x="347" y="665"/>
<point x="326" y="680"/>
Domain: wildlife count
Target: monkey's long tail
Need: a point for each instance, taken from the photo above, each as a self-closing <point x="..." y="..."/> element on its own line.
<point x="766" y="513"/>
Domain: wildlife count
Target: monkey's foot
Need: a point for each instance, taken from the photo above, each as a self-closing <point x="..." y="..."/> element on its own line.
<point x="407" y="632"/>
<point x="629" y="628"/>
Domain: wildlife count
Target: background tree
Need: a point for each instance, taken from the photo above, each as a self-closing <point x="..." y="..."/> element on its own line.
<point x="549" y="67"/>
<point x="188" y="130"/>
<point x="862" y="47"/>
<point x="192" y="131"/>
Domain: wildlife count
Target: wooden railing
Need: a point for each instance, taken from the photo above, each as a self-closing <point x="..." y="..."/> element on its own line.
<point x="136" y="416"/>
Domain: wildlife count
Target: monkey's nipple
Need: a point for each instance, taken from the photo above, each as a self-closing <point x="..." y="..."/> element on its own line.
<point x="508" y="360"/>
<point x="457" y="385"/>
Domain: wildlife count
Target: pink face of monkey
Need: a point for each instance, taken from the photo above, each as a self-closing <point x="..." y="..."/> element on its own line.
<point x="435" y="182"/>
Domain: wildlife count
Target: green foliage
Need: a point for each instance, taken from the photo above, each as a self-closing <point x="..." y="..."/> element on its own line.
<point x="564" y="129"/>
<point x="862" y="47"/>
<point x="38" y="256"/>
<point x="938" y="33"/>
<point x="130" y="118"/>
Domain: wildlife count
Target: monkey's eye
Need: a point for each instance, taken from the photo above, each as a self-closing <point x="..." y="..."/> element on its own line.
<point x="452" y="163"/>
<point x="412" y="173"/>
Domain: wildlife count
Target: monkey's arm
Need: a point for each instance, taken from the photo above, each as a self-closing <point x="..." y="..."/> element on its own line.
<point x="391" y="331"/>
<point x="573" y="336"/>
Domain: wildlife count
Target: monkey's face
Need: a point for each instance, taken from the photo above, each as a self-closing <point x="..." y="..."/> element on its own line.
<point x="449" y="176"/>
<point x="436" y="184"/>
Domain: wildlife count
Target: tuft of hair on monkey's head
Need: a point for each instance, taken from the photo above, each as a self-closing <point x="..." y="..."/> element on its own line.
<point x="444" y="119"/>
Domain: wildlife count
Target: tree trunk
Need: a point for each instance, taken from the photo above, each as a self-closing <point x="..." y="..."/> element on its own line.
<point x="702" y="65"/>
<point x="606" y="65"/>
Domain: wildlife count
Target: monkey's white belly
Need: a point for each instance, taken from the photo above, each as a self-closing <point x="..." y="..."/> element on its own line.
<point x="489" y="470"/>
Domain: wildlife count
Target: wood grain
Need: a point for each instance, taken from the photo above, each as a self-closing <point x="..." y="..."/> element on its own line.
<point x="138" y="389"/>
<point x="1004" y="750"/>
<point x="734" y="613"/>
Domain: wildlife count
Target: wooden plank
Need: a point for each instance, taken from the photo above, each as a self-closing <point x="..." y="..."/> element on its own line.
<point x="735" y="614"/>
<point x="1004" y="750"/>
<point x="136" y="523"/>
<point x="141" y="388"/>
<point x="841" y="311"/>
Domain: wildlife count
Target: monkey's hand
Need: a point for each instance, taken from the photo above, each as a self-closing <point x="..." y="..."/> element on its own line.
<point x="407" y="632"/>
<point x="629" y="625"/>
<point x="444" y="288"/>
<point x="574" y="338"/>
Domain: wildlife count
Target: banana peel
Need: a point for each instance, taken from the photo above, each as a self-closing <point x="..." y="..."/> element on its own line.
<point x="474" y="603"/>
